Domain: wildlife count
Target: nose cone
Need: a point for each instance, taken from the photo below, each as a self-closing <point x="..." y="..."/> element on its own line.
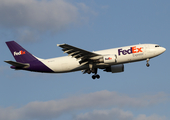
<point x="160" y="50"/>
<point x="163" y="49"/>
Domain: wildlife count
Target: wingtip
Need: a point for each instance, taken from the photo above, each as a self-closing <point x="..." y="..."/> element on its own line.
<point x="6" y="61"/>
<point x="61" y="44"/>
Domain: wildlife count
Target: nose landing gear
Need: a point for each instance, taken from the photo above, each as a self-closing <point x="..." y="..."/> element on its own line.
<point x="147" y="64"/>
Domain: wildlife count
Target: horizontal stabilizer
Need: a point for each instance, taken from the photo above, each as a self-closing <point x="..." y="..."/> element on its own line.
<point x="18" y="64"/>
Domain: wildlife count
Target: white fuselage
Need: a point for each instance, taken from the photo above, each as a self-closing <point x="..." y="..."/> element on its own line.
<point x="125" y="54"/>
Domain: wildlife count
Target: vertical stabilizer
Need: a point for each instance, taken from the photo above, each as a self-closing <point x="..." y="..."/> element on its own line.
<point x="19" y="53"/>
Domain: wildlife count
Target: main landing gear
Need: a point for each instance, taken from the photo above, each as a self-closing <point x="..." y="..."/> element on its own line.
<point x="147" y="64"/>
<point x="96" y="76"/>
<point x="93" y="70"/>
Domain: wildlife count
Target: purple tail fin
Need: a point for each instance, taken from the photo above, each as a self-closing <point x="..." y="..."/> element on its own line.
<point x="19" y="53"/>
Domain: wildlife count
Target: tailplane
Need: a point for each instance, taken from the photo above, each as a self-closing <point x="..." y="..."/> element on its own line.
<point x="18" y="65"/>
<point x="20" y="54"/>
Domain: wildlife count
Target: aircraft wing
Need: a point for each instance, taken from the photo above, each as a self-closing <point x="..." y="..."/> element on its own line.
<point x="78" y="53"/>
<point x="18" y="64"/>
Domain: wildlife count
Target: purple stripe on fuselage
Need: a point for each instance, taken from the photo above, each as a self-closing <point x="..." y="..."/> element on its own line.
<point x="38" y="66"/>
<point x="35" y="66"/>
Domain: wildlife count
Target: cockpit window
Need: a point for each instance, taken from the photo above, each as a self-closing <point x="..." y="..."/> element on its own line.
<point x="157" y="46"/>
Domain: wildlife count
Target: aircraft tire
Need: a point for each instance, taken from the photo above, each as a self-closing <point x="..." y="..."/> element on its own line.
<point x="147" y="64"/>
<point x="94" y="77"/>
<point x="97" y="76"/>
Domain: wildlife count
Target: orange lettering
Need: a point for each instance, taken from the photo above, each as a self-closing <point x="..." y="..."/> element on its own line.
<point x="133" y="49"/>
<point x="22" y="52"/>
<point x="139" y="49"/>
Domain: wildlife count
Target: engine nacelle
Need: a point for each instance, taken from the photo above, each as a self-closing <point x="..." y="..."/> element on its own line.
<point x="108" y="59"/>
<point x="115" y="68"/>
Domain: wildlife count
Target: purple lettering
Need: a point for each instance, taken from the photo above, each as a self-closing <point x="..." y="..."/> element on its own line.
<point x="119" y="50"/>
<point x="129" y="51"/>
<point x="124" y="52"/>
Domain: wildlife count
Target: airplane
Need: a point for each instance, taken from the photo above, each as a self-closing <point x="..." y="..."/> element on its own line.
<point x="109" y="60"/>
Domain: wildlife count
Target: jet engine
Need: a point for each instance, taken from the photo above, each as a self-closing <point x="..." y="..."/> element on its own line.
<point x="115" y="68"/>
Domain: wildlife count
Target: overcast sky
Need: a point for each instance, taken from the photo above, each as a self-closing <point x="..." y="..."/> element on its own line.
<point x="138" y="93"/>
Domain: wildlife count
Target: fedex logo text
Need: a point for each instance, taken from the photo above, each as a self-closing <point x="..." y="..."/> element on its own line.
<point x="130" y="51"/>
<point x="19" y="53"/>
<point x="109" y="58"/>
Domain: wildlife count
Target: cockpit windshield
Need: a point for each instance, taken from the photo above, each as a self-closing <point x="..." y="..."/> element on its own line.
<point x="157" y="46"/>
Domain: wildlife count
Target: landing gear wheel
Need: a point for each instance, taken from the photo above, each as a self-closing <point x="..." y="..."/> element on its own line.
<point x="94" y="77"/>
<point x="147" y="64"/>
<point x="97" y="76"/>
